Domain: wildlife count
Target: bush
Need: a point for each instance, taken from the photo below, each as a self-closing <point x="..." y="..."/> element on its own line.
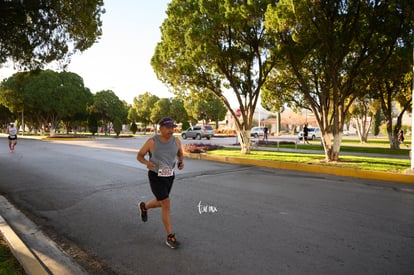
<point x="228" y="132"/>
<point x="133" y="128"/>
<point x="200" y="148"/>
<point x="117" y="124"/>
<point x="93" y="124"/>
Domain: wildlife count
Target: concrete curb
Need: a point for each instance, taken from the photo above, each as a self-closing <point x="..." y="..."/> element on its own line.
<point x="22" y="253"/>
<point x="311" y="168"/>
<point x="36" y="252"/>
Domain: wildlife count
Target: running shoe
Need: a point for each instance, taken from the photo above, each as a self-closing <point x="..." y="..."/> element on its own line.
<point x="172" y="241"/>
<point x="143" y="211"/>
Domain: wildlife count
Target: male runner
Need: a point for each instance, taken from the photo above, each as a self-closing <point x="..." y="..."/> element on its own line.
<point x="163" y="150"/>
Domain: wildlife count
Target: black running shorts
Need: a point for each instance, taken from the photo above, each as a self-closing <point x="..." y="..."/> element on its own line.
<point x="160" y="186"/>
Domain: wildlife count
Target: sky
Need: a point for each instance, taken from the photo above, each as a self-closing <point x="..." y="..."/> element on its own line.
<point x="120" y="60"/>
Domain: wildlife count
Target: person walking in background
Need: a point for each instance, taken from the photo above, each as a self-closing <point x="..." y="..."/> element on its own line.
<point x="163" y="150"/>
<point x="305" y="134"/>
<point x="265" y="133"/>
<point x="401" y="138"/>
<point x="12" y="132"/>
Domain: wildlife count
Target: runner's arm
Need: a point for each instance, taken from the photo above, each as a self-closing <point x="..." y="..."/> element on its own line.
<point x="146" y="148"/>
<point x="180" y="155"/>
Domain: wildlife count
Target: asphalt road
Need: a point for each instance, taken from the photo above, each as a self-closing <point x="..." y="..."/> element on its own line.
<point x="230" y="219"/>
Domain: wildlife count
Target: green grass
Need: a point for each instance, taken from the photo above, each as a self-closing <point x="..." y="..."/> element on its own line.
<point x="357" y="162"/>
<point x="355" y="149"/>
<point x="8" y="263"/>
<point x="374" y="146"/>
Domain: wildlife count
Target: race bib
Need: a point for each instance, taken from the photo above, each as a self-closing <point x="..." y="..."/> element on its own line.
<point x="165" y="172"/>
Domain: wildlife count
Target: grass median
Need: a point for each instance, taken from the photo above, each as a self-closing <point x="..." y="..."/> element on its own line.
<point x="385" y="163"/>
<point x="356" y="162"/>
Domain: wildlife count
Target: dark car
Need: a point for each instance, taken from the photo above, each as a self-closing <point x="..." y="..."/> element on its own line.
<point x="198" y="132"/>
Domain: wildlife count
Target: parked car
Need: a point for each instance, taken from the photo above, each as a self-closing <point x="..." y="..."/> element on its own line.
<point x="257" y="131"/>
<point x="313" y="133"/>
<point x="198" y="132"/>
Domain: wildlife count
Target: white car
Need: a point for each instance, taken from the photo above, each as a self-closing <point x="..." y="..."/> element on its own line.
<point x="257" y="131"/>
<point x="313" y="133"/>
<point x="198" y="132"/>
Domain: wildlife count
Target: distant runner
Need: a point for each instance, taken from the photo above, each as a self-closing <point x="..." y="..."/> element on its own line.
<point x="12" y="131"/>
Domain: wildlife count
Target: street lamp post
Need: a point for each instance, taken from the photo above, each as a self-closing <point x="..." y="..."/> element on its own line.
<point x="412" y="116"/>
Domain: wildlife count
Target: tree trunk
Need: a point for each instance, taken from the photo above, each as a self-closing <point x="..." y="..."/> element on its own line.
<point x="244" y="139"/>
<point x="332" y="148"/>
<point x="363" y="126"/>
<point x="336" y="147"/>
<point x="394" y="143"/>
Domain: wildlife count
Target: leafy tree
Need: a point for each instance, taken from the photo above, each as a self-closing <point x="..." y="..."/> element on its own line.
<point x="391" y="77"/>
<point x="171" y="107"/>
<point x="362" y="112"/>
<point x="93" y="123"/>
<point x="403" y="102"/>
<point x="161" y="109"/>
<point x="216" y="111"/>
<point x="378" y="118"/>
<point x="394" y="93"/>
<point x="5" y="116"/>
<point x="117" y="126"/>
<point x="109" y="108"/>
<point x="44" y="100"/>
<point x="46" y="97"/>
<point x="132" y="114"/>
<point x="217" y="46"/>
<point x="75" y="100"/>
<point x="12" y="96"/>
<point x="12" y="92"/>
<point x="328" y="49"/>
<point x="194" y="108"/>
<point x="33" y="33"/>
<point x="177" y="110"/>
<point x="185" y="125"/>
<point x="143" y="105"/>
<point x="133" y="118"/>
<point x="206" y="107"/>
<point x="270" y="101"/>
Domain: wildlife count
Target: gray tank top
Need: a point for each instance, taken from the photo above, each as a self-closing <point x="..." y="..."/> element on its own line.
<point x="164" y="154"/>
